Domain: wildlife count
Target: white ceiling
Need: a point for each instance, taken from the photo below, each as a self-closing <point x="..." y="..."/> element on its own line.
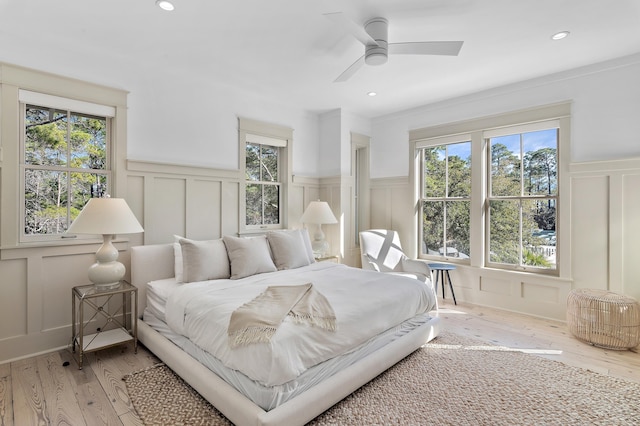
<point x="286" y="50"/>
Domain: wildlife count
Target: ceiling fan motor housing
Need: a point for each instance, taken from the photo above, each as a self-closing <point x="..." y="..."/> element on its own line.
<point x="377" y="54"/>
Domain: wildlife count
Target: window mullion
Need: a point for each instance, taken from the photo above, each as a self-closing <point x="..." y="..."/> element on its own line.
<point x="69" y="165"/>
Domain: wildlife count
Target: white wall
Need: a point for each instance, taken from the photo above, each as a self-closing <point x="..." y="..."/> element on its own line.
<point x="194" y="122"/>
<point x="330" y="139"/>
<point x="605" y="114"/>
<point x="336" y="127"/>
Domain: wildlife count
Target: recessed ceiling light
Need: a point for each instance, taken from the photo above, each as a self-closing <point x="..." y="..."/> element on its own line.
<point x="560" y="35"/>
<point x="372" y="94"/>
<point x="165" y="5"/>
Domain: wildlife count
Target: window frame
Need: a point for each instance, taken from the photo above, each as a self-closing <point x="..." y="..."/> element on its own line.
<point x="420" y="146"/>
<point x="252" y="131"/>
<point x="476" y="127"/>
<point x="37" y="100"/>
<point x="14" y="79"/>
<point x="520" y="129"/>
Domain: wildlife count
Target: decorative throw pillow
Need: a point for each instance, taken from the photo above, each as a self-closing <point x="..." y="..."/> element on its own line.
<point x="307" y="244"/>
<point x="248" y="256"/>
<point x="288" y="249"/>
<point x="204" y="260"/>
<point x="177" y="256"/>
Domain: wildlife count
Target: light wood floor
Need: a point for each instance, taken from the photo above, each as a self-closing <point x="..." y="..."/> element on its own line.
<point x="546" y="338"/>
<point x="42" y="391"/>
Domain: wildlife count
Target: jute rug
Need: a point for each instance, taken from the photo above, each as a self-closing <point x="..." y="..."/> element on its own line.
<point x="450" y="381"/>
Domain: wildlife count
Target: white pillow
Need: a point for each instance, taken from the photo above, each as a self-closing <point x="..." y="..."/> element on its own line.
<point x="307" y="244"/>
<point x="177" y="257"/>
<point x="288" y="249"/>
<point x="204" y="260"/>
<point x="248" y="256"/>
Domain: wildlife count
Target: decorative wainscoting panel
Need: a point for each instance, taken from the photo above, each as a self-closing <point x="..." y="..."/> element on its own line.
<point x="13" y="288"/>
<point x="631" y="234"/>
<point x="605" y="214"/>
<point x="496" y="286"/>
<point x="590" y="231"/>
<point x="539" y="293"/>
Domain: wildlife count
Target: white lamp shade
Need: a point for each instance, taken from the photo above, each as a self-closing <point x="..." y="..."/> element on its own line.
<point x="318" y="212"/>
<point x="106" y="216"/>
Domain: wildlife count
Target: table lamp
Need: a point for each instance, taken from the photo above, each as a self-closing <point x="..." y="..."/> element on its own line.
<point x="106" y="216"/>
<point x="318" y="213"/>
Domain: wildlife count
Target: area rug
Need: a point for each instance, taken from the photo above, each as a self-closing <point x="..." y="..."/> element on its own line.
<point x="450" y="381"/>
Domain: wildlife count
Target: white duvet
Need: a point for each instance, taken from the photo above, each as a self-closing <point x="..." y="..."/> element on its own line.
<point x="366" y="303"/>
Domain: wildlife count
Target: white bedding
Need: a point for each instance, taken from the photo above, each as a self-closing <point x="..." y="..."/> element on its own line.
<point x="366" y="303"/>
<point x="157" y="294"/>
<point x="269" y="397"/>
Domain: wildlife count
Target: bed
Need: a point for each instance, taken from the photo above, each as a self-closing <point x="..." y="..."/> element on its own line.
<point x="297" y="390"/>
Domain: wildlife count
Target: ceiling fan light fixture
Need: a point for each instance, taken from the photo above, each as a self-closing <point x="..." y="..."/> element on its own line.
<point x="376" y="58"/>
<point x="560" y="35"/>
<point x="374" y="37"/>
<point x="377" y="54"/>
<point x="165" y="5"/>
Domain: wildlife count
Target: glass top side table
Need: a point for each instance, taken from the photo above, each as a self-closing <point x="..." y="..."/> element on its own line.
<point x="108" y="313"/>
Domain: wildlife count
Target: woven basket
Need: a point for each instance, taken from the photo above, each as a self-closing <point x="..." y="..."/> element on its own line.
<point x="604" y="319"/>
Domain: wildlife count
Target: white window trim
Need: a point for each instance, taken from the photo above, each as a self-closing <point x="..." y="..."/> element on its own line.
<point x="44" y="100"/>
<point x="479" y="150"/>
<point x="15" y="80"/>
<point x="518" y="130"/>
<point x="252" y="131"/>
<point x="429" y="143"/>
<point x="61" y="104"/>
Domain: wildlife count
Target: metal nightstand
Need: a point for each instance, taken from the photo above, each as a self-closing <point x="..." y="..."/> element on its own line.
<point x="113" y="328"/>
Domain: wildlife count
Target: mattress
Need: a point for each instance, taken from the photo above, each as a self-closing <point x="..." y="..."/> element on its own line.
<point x="157" y="294"/>
<point x="269" y="397"/>
<point x="365" y="303"/>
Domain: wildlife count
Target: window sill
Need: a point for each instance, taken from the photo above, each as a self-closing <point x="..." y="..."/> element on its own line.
<point x="60" y="247"/>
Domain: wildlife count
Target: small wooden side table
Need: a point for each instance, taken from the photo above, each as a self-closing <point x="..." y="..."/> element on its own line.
<point x="107" y="313"/>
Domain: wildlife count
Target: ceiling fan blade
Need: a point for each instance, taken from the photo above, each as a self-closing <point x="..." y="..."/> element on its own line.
<point x="351" y="27"/>
<point x="346" y="75"/>
<point x="450" y="48"/>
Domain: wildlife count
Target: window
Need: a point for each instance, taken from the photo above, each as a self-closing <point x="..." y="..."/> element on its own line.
<point x="523" y="196"/>
<point x="60" y="137"/>
<point x="65" y="161"/>
<point x="262" y="184"/>
<point x="445" y="199"/>
<point x="487" y="191"/>
<point x="265" y="152"/>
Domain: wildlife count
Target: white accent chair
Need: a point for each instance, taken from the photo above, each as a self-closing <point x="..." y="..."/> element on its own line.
<point x="381" y="251"/>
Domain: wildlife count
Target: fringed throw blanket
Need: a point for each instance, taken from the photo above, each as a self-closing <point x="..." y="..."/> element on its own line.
<point x="258" y="320"/>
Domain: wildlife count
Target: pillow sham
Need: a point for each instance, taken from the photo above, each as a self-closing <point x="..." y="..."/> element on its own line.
<point x="307" y="244"/>
<point x="204" y="260"/>
<point x="288" y="249"/>
<point x="177" y="259"/>
<point x="248" y="256"/>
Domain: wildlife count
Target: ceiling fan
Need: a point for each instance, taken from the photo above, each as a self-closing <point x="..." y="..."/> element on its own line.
<point x="374" y="35"/>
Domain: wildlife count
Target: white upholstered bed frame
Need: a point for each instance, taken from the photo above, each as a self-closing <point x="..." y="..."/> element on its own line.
<point x="154" y="262"/>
